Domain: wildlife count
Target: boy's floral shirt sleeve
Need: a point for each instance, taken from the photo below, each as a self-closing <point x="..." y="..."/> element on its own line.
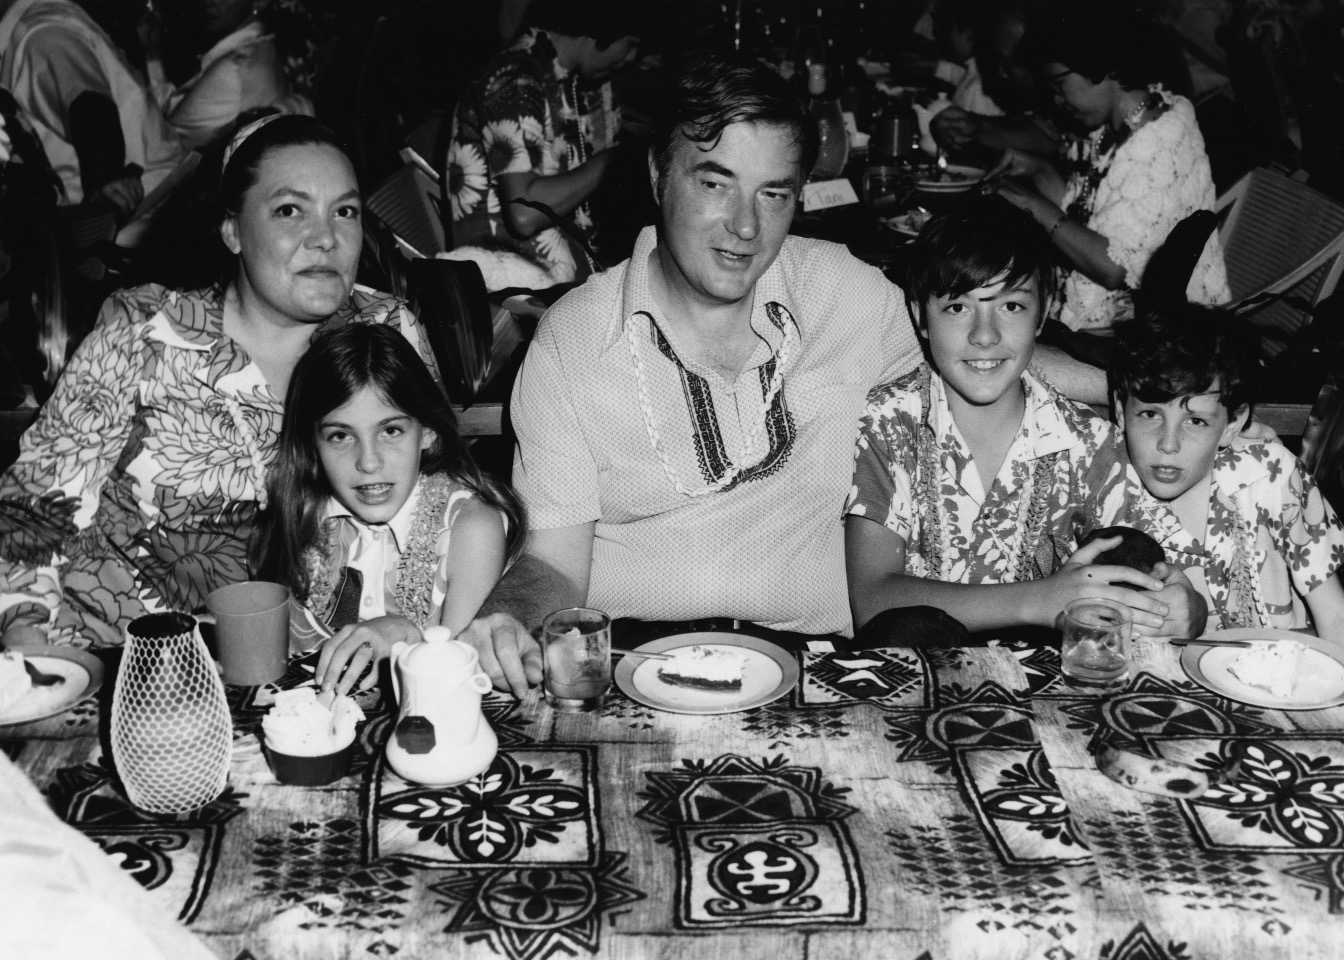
<point x="137" y="488"/>
<point x="526" y="115"/>
<point x="1265" y="502"/>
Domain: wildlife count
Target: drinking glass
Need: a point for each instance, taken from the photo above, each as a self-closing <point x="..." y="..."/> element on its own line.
<point x="1095" y="647"/>
<point x="880" y="185"/>
<point x="576" y="648"/>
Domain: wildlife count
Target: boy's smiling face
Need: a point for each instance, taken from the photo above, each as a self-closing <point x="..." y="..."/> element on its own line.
<point x="1173" y="444"/>
<point x="982" y="340"/>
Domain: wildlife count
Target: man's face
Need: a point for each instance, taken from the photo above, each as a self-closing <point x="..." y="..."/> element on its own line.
<point x="726" y="209"/>
<point x="599" y="63"/>
<point x="1172" y="445"/>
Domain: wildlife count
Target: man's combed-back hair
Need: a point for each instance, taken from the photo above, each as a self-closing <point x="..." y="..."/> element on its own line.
<point x="972" y="245"/>
<point x="720" y="91"/>
<point x="1174" y="350"/>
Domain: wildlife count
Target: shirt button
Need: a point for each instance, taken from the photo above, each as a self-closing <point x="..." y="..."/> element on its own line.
<point x="368" y="601"/>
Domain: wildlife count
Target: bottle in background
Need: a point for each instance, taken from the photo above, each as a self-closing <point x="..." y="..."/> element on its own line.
<point x="825" y="109"/>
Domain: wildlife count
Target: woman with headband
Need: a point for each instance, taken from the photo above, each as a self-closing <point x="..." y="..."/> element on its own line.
<point x="137" y="488"/>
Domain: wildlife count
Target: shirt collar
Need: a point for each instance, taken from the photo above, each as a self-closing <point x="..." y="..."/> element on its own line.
<point x="1236" y="467"/>
<point x="636" y="298"/>
<point x="400" y="525"/>
<point x="1045" y="429"/>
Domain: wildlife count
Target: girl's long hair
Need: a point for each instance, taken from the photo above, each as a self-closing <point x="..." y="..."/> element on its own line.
<point x="337" y="366"/>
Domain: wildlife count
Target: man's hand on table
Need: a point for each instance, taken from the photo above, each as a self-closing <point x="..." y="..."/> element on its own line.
<point x="510" y="656"/>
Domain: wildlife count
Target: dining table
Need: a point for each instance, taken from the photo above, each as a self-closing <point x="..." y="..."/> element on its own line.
<point x="888" y="803"/>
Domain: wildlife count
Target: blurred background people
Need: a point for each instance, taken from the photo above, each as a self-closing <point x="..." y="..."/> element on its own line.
<point x="102" y="131"/>
<point x="236" y="63"/>
<point x="533" y="137"/>
<point x="1134" y="166"/>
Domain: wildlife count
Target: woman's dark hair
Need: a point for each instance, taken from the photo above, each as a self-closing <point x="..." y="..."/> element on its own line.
<point x="972" y="245"/>
<point x="605" y="21"/>
<point x="240" y="173"/>
<point x="1175" y="350"/>
<point x="337" y="366"/>
<point x="720" y="91"/>
<point x="1096" y="39"/>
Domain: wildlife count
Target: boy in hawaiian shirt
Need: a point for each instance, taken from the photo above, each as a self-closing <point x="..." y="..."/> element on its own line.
<point x="1247" y="522"/>
<point x="973" y="479"/>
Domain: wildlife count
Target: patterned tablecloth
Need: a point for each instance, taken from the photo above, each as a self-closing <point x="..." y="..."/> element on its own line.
<point x="895" y="805"/>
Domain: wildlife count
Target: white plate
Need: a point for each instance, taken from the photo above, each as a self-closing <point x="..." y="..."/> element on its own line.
<point x="1320" y="675"/>
<point x="83" y="674"/>
<point x="909" y="224"/>
<point x="958" y="179"/>
<point x="768" y="674"/>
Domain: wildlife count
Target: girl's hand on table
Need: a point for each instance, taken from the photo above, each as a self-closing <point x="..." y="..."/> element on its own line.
<point x="347" y="653"/>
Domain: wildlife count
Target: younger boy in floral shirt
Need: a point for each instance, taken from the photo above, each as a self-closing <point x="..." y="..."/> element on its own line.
<point x="973" y="479"/>
<point x="1247" y="522"/>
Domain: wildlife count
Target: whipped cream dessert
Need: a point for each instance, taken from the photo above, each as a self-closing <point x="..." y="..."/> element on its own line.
<point x="304" y="723"/>
<point x="14" y="680"/>
<point x="705" y="668"/>
<point x="1271" y="667"/>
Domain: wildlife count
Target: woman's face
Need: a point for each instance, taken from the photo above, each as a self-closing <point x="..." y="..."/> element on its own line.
<point x="1088" y="104"/>
<point x="298" y="234"/>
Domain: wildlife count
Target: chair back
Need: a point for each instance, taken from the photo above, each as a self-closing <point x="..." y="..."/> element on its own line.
<point x="1323" y="438"/>
<point x="450" y="299"/>
<point x="1283" y="244"/>
<point x="407" y="203"/>
<point x="1169" y="269"/>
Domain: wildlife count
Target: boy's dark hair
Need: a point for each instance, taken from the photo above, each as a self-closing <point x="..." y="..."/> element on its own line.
<point x="972" y="245"/>
<point x="719" y="91"/>
<point x="1173" y="350"/>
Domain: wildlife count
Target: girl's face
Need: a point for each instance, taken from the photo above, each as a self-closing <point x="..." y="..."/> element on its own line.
<point x="370" y="453"/>
<point x="298" y="234"/>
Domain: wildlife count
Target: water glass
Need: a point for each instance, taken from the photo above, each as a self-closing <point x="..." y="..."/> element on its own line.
<point x="1095" y="647"/>
<point x="576" y="650"/>
<point x="880" y="185"/>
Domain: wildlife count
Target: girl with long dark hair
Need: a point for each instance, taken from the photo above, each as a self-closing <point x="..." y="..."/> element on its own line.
<point x="379" y="521"/>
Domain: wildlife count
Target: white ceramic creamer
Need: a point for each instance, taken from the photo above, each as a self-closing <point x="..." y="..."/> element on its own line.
<point x="924" y="115"/>
<point x="441" y="736"/>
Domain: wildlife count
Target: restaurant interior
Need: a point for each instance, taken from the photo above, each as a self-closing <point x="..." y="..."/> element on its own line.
<point x="898" y="801"/>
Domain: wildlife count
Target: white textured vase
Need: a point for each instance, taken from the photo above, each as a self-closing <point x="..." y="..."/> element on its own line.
<point x="171" y="731"/>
